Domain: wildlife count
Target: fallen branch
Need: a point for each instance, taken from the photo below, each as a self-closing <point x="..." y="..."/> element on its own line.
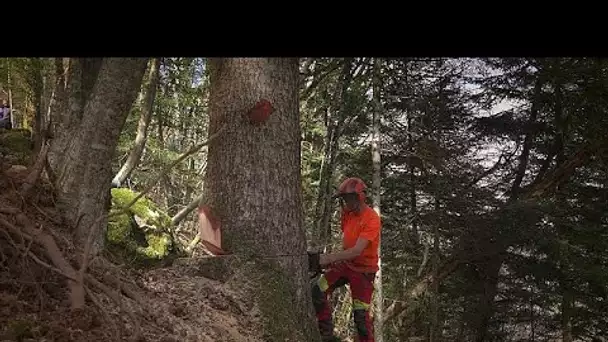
<point x="175" y="220"/>
<point x="9" y="211"/>
<point x="54" y="254"/>
<point x="192" y="150"/>
<point x="54" y="269"/>
<point x="193" y="243"/>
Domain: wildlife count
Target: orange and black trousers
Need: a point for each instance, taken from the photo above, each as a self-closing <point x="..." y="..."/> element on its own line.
<point x="361" y="288"/>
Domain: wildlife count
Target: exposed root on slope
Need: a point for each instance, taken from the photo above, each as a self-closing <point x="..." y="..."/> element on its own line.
<point x="45" y="292"/>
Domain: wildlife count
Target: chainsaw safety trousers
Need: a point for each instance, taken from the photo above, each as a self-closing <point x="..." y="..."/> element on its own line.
<point x="361" y="287"/>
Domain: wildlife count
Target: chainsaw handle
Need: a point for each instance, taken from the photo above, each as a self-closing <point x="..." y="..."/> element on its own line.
<point x="314" y="264"/>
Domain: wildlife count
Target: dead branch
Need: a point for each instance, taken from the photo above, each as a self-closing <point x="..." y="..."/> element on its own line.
<point x="9" y="211"/>
<point x="48" y="243"/>
<point x="193" y="243"/>
<point x="29" y="253"/>
<point x="177" y="161"/>
<point x="54" y="269"/>
<point x="10" y="239"/>
<point x="175" y="220"/>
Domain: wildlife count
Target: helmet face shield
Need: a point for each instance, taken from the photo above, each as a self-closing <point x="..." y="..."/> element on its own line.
<point x="351" y="185"/>
<point x="351" y="193"/>
<point x="350" y="201"/>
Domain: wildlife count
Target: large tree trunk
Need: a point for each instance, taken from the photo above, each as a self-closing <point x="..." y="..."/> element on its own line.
<point x="253" y="187"/>
<point x="142" y="127"/>
<point x="99" y="96"/>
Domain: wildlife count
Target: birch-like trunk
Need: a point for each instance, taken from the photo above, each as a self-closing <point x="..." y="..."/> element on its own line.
<point x="376" y="187"/>
<point x="142" y="126"/>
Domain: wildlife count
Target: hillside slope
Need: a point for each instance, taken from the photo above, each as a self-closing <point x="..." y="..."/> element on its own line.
<point x="180" y="302"/>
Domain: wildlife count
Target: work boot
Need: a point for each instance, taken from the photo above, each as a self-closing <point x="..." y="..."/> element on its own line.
<point x="326" y="328"/>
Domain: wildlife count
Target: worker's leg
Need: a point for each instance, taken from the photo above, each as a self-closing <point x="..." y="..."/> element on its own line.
<point x="321" y="290"/>
<point x="362" y="288"/>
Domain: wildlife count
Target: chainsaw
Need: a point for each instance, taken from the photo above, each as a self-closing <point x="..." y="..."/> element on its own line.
<point x="314" y="264"/>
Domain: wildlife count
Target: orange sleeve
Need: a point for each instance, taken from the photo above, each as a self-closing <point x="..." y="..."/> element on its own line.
<point x="371" y="230"/>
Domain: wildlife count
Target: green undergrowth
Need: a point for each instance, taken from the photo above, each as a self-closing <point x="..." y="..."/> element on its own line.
<point x="16" y="145"/>
<point x="143" y="233"/>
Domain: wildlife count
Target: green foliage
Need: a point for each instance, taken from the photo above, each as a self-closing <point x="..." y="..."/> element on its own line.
<point x="438" y="182"/>
<point x="16" y="145"/>
<point x="179" y="121"/>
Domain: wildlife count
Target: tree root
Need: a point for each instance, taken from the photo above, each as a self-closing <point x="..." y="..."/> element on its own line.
<point x="115" y="296"/>
<point x="112" y="286"/>
<point x="35" y="171"/>
<point x="115" y="331"/>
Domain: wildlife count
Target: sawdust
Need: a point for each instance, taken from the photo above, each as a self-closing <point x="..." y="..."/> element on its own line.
<point x="171" y="304"/>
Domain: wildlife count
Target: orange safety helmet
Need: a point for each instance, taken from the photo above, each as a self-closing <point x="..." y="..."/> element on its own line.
<point x="352" y="185"/>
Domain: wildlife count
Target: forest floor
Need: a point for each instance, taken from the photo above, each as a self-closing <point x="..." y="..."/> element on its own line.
<point x="170" y="303"/>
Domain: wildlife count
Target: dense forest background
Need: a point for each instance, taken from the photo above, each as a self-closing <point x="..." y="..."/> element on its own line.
<point x="490" y="177"/>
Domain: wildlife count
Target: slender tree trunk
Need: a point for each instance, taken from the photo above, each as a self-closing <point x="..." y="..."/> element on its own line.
<point x="58" y="99"/>
<point x="10" y="94"/>
<point x="142" y="127"/>
<point x="376" y="187"/>
<point x="253" y="186"/>
<point x="101" y="93"/>
<point x="38" y="88"/>
<point x="434" y="327"/>
<point x="335" y="122"/>
<point x="566" y="309"/>
<point x="323" y="204"/>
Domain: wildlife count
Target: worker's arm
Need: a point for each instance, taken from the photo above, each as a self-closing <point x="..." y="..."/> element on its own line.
<point x="347" y="254"/>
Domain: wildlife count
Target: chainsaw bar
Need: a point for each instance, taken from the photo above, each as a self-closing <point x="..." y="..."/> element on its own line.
<point x="314" y="265"/>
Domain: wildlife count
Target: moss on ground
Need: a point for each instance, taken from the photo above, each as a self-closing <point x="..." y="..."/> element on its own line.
<point x="142" y="232"/>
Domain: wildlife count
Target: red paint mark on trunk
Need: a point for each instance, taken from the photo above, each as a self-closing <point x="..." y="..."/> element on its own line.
<point x="260" y="112"/>
<point x="209" y="229"/>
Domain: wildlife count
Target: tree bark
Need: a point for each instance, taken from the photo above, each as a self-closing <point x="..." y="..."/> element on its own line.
<point x="376" y="187"/>
<point x="142" y="127"/>
<point x="100" y="95"/>
<point x="253" y="186"/>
